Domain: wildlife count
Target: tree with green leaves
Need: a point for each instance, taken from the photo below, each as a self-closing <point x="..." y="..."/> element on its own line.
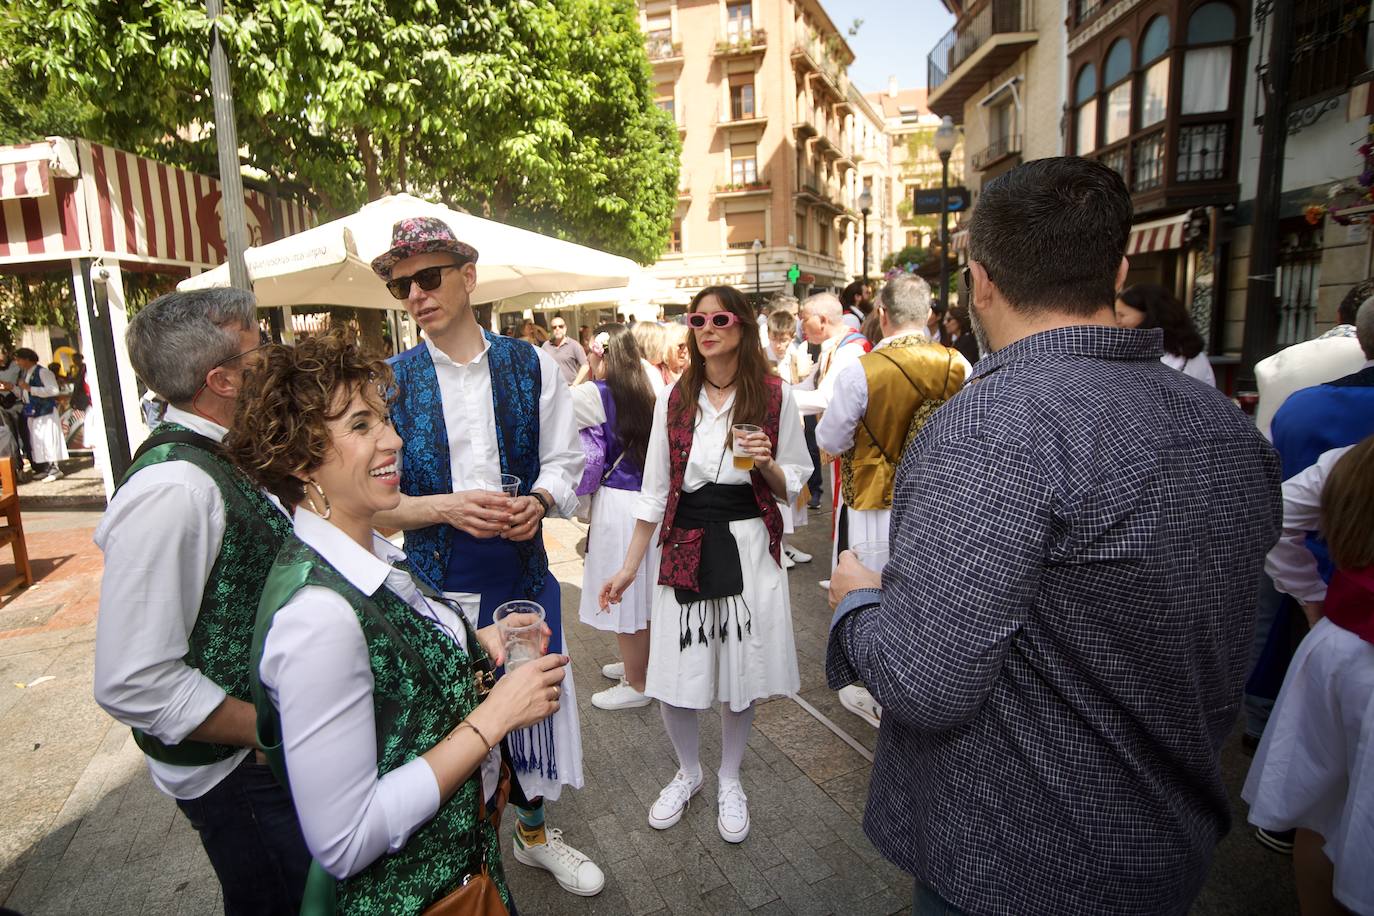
<point x="535" y="112"/>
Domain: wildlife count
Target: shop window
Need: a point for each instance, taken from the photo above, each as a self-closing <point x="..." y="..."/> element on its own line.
<point x="1116" y="77"/>
<point x="1085" y="110"/>
<point x="1154" y="60"/>
<point x="1207" y="69"/>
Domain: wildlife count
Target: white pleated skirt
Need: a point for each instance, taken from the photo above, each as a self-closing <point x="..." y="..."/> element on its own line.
<point x="739" y="670"/>
<point x="608" y="542"/>
<point x="45" y="435"/>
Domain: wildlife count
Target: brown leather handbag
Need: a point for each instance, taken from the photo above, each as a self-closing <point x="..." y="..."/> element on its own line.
<point x="477" y="895"/>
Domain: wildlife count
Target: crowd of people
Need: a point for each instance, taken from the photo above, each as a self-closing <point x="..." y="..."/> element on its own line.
<point x="1049" y="537"/>
<point x="42" y="409"/>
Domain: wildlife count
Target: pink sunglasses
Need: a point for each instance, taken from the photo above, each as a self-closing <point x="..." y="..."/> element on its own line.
<point x="697" y="320"/>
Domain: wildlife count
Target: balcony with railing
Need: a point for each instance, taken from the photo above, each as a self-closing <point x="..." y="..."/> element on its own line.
<point x="731" y="185"/>
<point x="742" y="42"/>
<point x="999" y="150"/>
<point x="986" y="42"/>
<point x="661" y="48"/>
<point x="811" y="55"/>
<point x="733" y="115"/>
<point x="1172" y="170"/>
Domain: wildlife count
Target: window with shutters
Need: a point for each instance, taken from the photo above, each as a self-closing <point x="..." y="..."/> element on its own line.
<point x="742" y="228"/>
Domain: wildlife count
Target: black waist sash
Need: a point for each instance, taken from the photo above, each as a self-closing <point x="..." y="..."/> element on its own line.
<point x="712" y="508"/>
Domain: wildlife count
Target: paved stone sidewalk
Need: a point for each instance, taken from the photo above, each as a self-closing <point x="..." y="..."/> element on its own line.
<point x="85" y="832"/>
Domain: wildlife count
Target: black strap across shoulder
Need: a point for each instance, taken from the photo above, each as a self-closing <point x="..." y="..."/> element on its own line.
<point x="178" y="437"/>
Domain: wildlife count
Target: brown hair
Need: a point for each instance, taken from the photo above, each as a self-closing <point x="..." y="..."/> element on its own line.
<point x="751" y="387"/>
<point x="634" y="399"/>
<point x="281" y="422"/>
<point x="1348" y="506"/>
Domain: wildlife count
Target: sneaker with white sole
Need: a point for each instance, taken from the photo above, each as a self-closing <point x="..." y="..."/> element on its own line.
<point x="672" y="802"/>
<point x="573" y="871"/>
<point x="824" y="584"/>
<point x="733" y="819"/>
<point x="615" y="671"/>
<point x="52" y="475"/>
<point x="860" y="702"/>
<point x="787" y="561"/>
<point x="621" y="696"/>
<point x="797" y="556"/>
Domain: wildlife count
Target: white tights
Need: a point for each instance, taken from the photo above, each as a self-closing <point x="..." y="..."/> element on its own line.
<point x="683" y="731"/>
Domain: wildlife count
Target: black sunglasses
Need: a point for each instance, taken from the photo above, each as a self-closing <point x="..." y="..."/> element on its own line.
<point x="429" y="279"/>
<point x="967" y="276"/>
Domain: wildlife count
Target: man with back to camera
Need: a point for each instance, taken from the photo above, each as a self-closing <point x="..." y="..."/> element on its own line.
<point x="1058" y="678"/>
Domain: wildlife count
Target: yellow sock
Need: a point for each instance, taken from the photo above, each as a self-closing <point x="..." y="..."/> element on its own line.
<point x="531" y="836"/>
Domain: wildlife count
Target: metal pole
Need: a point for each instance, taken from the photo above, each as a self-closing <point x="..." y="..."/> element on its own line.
<point x="758" y="293"/>
<point x="865" y="248"/>
<point x="227" y="144"/>
<point x="944" y="231"/>
<point x="1261" y="325"/>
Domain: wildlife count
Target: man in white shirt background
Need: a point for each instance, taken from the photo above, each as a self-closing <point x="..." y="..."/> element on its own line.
<point x="188" y="541"/>
<point x="823" y="325"/>
<point x="471" y="407"/>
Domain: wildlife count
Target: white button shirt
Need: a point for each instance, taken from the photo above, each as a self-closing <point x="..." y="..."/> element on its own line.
<point x="710" y="460"/>
<point x="470" y="418"/>
<point x="1290" y="563"/>
<point x="849" y="401"/>
<point x="160" y="535"/>
<point x="813" y="395"/>
<point x="315" y="667"/>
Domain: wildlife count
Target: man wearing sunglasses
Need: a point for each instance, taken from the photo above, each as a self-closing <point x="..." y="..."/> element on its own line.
<point x="188" y="541"/>
<point x="472" y="406"/>
<point x="568" y="353"/>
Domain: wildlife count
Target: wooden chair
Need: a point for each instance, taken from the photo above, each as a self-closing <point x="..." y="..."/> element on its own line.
<point x="13" y="533"/>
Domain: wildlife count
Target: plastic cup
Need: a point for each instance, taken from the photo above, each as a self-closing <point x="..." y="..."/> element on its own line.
<point x="872" y="554"/>
<point x="509" y="484"/>
<point x="743" y="458"/>
<point x="521" y="627"/>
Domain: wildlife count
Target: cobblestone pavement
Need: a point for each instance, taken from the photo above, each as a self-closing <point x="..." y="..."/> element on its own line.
<point x="85" y="832"/>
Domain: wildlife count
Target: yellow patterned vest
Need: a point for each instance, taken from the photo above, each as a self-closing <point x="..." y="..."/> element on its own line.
<point x="907" y="380"/>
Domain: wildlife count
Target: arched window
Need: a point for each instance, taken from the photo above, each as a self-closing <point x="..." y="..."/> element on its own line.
<point x="1154" y="60"/>
<point x="1116" y="82"/>
<point x="1207" y="63"/>
<point x="1085" y="116"/>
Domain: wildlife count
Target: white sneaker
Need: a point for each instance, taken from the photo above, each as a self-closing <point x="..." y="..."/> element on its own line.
<point x="733" y="820"/>
<point x="672" y="802"/>
<point x="787" y="561"/>
<point x="860" y="702"/>
<point x="621" y="696"/>
<point x="54" y="474"/>
<point x="573" y="871"/>
<point x="824" y="584"/>
<point x="615" y="671"/>
<point x="798" y="556"/>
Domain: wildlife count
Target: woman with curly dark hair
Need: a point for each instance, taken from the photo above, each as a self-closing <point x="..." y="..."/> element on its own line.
<point x="1149" y="305"/>
<point x="726" y="452"/>
<point x="371" y="701"/>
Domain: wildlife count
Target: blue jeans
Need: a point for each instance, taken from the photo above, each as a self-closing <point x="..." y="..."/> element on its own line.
<point x="249" y="829"/>
<point x="928" y="903"/>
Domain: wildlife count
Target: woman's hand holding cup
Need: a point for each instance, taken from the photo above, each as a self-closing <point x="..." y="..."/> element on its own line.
<point x="526" y="695"/>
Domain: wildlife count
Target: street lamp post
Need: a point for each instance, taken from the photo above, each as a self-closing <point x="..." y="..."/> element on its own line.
<point x="945" y="138"/>
<point x="757" y="248"/>
<point x="865" y="205"/>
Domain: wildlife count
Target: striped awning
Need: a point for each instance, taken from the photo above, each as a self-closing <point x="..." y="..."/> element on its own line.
<point x="1157" y="235"/>
<point x="109" y="203"/>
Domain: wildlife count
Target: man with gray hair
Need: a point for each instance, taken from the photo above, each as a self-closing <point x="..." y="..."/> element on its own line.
<point x="877" y="406"/>
<point x="188" y="541"/>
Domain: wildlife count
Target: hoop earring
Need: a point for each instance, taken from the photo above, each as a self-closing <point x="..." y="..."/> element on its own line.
<point x="324" y="499"/>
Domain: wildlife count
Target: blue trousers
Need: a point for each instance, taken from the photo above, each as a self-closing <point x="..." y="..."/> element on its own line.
<point x="249" y="829"/>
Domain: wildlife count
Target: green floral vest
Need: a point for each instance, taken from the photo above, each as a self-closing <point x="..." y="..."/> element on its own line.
<point x="220" y="641"/>
<point x="423" y="686"/>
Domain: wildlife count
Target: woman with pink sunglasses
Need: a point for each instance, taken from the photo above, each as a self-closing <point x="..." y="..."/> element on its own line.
<point x="726" y="454"/>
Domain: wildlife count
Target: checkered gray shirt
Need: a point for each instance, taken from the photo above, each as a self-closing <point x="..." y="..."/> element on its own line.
<point x="1060" y="644"/>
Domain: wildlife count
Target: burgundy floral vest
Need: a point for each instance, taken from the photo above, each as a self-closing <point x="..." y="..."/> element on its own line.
<point x="682" y="549"/>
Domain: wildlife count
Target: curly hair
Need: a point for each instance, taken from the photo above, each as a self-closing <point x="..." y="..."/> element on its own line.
<point x="281" y="422"/>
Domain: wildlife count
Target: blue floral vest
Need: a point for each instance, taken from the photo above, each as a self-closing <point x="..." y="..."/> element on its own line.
<point x="418" y="415"/>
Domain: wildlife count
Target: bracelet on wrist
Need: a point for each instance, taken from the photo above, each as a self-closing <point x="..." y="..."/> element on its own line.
<point x="478" y="732"/>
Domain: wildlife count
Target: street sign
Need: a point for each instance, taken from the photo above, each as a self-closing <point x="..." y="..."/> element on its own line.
<point x="927" y="200"/>
<point x="793" y="273"/>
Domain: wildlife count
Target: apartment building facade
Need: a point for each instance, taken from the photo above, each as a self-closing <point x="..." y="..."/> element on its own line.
<point x="915" y="163"/>
<point x="774" y="141"/>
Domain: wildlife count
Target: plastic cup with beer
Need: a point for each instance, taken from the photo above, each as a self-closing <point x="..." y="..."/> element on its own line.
<point x="520" y="625"/>
<point x="744" y="459"/>
<point x="872" y="554"/>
